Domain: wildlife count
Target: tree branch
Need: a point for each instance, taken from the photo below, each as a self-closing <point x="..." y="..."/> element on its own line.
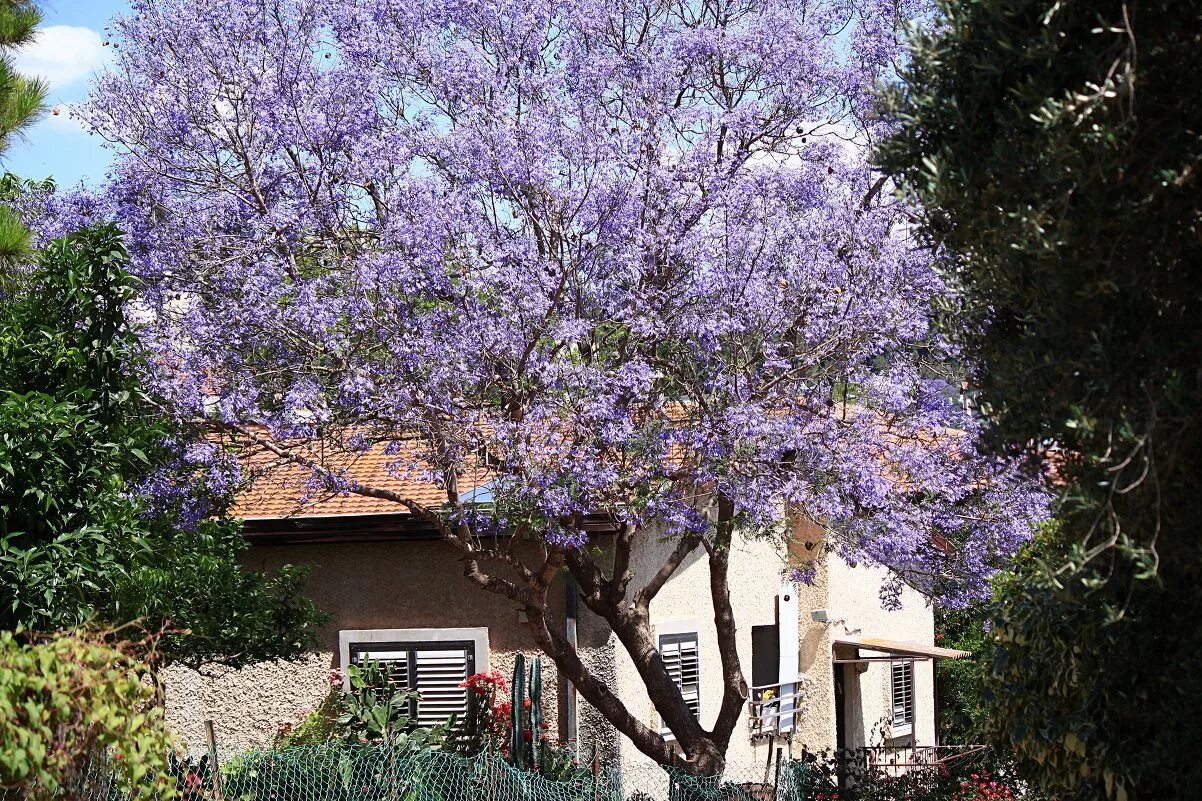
<point x="685" y="546"/>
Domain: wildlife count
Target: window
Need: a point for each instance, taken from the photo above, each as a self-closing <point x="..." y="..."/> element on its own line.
<point x="679" y="652"/>
<point x="431" y="662"/>
<point x="902" y="695"/>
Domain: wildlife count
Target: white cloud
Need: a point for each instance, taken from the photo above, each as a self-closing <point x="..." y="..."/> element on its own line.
<point x="62" y="55"/>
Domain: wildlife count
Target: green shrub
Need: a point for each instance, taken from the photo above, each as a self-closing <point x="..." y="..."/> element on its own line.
<point x="75" y="711"/>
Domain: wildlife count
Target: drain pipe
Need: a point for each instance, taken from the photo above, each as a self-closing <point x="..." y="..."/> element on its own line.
<point x="573" y="736"/>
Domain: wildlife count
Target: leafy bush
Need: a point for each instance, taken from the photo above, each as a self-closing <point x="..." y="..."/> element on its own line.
<point x="109" y="511"/>
<point x="486" y="724"/>
<point x="846" y="775"/>
<point x="377" y="710"/>
<point x="66" y="704"/>
<point x="960" y="682"/>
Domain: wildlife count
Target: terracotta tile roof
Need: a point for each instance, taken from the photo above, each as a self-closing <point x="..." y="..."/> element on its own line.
<point x="279" y="489"/>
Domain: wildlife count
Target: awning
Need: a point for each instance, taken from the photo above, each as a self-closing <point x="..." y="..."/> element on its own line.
<point x="896" y="648"/>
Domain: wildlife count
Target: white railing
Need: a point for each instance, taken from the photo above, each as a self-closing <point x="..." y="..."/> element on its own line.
<point x="772" y="709"/>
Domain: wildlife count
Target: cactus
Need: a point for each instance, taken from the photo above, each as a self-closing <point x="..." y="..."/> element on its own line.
<point x="536" y="708"/>
<point x="517" y="695"/>
<point x="526" y="687"/>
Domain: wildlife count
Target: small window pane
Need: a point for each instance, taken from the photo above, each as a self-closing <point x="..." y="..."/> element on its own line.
<point x="902" y="686"/>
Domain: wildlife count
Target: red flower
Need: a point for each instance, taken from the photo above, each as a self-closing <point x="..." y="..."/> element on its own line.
<point x="526" y="703"/>
<point x="527" y="736"/>
<point x="484" y="684"/>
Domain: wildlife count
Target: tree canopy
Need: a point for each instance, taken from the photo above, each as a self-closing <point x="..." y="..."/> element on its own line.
<point x="615" y="259"/>
<point x="1054" y="148"/>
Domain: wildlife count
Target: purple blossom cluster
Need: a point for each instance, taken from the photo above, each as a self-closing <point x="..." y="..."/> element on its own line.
<point x="189" y="485"/>
<point x="627" y="258"/>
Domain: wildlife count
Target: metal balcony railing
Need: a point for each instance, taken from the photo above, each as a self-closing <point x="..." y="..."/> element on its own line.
<point x="772" y="709"/>
<point x="896" y="760"/>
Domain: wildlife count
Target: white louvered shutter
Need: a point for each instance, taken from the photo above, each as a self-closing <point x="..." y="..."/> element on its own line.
<point x="438" y="674"/>
<point x="395" y="661"/>
<point x="684" y="666"/>
<point x="434" y="672"/>
<point x="902" y="692"/>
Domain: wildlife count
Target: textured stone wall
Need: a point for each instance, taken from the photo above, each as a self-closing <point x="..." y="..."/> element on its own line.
<point x="389" y="585"/>
<point x="247" y="706"/>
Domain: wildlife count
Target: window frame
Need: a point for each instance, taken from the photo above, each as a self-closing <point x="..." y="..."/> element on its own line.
<point x="353" y="642"/>
<point x="905" y="725"/>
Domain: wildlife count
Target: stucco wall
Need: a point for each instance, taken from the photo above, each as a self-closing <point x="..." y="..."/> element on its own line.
<point x="816" y="722"/>
<point x="385" y="585"/>
<point x="855" y="609"/>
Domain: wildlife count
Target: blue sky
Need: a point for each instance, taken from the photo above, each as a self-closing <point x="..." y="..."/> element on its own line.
<point x="67" y="54"/>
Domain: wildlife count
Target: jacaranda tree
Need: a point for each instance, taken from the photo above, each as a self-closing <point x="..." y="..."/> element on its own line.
<point x="617" y="258"/>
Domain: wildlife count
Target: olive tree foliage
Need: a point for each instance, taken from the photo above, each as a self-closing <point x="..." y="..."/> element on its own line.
<point x="1055" y="149"/>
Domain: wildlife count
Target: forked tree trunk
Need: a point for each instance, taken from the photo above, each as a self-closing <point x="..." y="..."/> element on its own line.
<point x="697" y="750"/>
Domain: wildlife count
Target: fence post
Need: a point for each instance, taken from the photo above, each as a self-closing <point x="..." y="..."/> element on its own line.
<point x="776" y="778"/>
<point x="214" y="766"/>
<point x="596" y="776"/>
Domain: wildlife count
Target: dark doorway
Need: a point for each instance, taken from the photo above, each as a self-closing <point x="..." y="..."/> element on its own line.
<point x="841" y="756"/>
<point x="840" y="708"/>
<point x="765" y="655"/>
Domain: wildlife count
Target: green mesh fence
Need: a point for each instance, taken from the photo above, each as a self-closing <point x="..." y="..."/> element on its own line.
<point x="380" y="773"/>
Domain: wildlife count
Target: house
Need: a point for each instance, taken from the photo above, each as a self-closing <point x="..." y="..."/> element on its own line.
<point x="828" y="666"/>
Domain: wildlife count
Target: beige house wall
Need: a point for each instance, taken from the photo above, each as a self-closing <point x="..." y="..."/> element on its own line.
<point x="855" y="609"/>
<point x="684" y="604"/>
<point x="850" y="597"/>
<point x="816" y="721"/>
<point x="380" y="585"/>
<point x="419" y="584"/>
